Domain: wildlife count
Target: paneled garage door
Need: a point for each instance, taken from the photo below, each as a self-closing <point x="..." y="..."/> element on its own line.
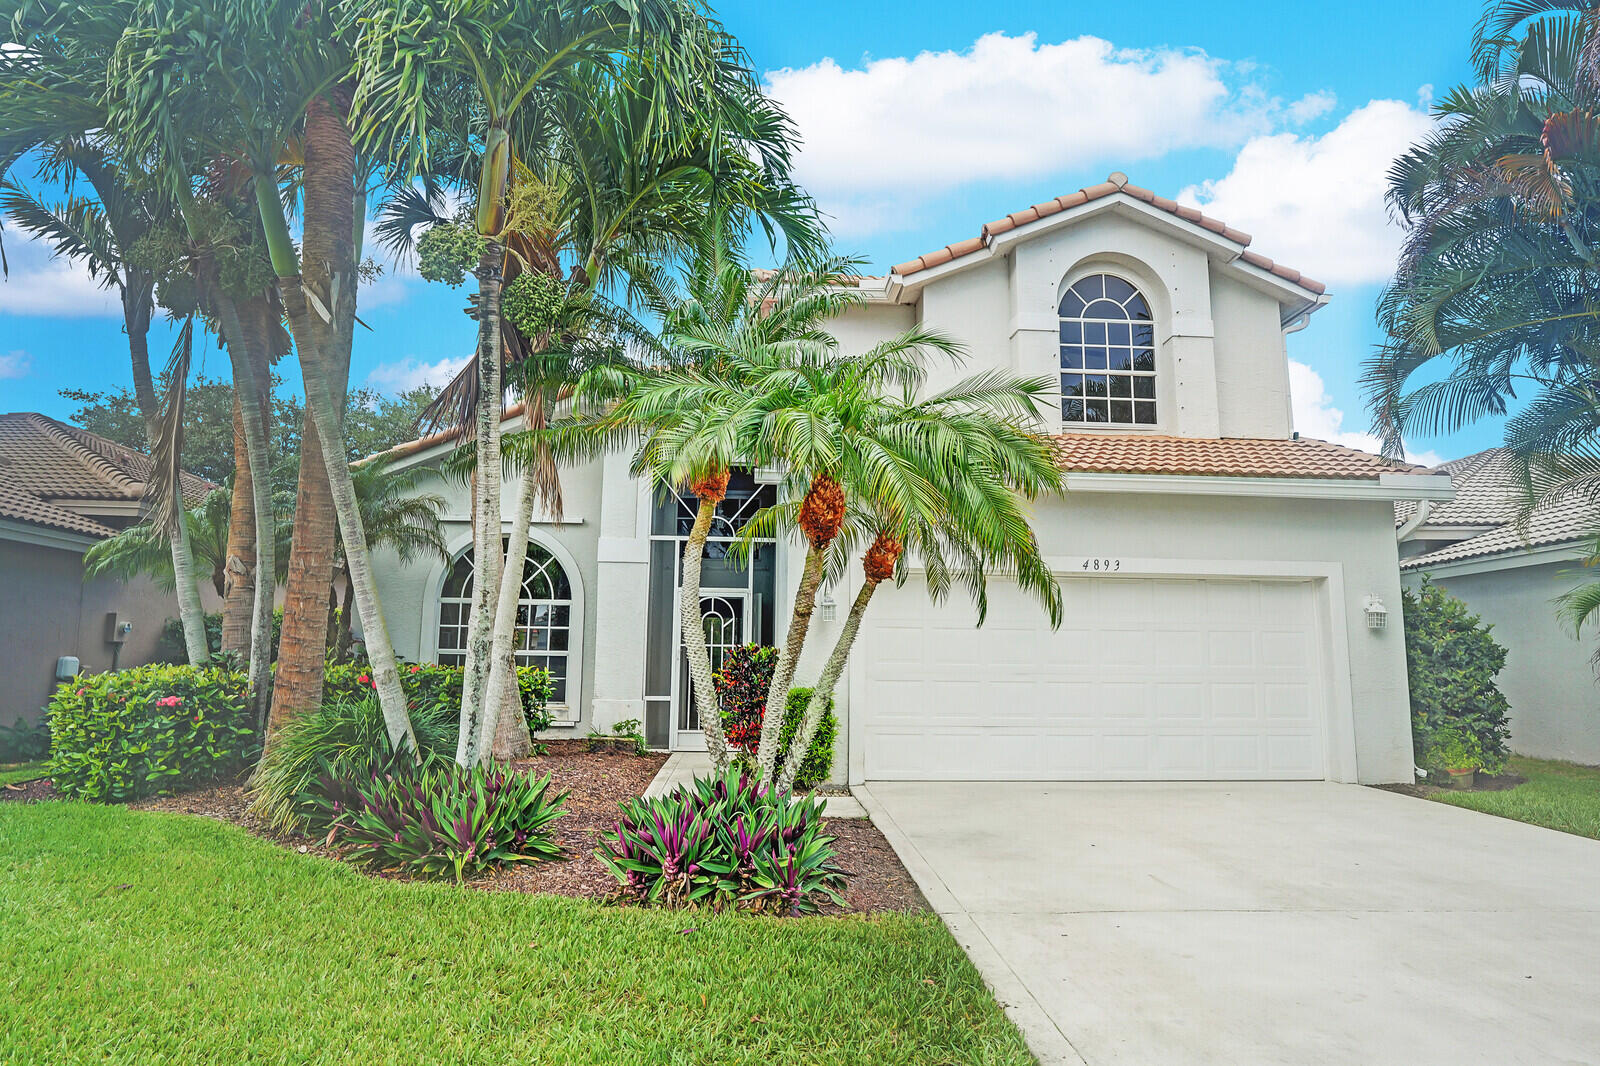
<point x="1146" y="679"/>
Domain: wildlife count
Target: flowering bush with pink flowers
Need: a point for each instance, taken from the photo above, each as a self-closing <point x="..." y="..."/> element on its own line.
<point x="148" y="731"/>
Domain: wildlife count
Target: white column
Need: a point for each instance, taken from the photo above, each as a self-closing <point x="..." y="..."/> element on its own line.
<point x="622" y="597"/>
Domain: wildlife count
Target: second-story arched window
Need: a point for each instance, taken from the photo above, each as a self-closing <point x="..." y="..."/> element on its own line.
<point x="1108" y="354"/>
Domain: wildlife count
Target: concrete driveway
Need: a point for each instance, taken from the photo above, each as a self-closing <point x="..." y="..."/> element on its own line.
<point x="1261" y="923"/>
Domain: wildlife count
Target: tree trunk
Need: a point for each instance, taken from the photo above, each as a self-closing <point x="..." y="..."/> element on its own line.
<point x="333" y="218"/>
<point x="238" y="595"/>
<point x="374" y="629"/>
<point x="502" y="648"/>
<point x="487" y="552"/>
<point x="136" y="304"/>
<point x="692" y="622"/>
<point x="344" y="639"/>
<point x="824" y="688"/>
<point x="805" y="604"/>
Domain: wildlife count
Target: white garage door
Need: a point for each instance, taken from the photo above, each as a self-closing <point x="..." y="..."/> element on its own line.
<point x="1145" y="679"/>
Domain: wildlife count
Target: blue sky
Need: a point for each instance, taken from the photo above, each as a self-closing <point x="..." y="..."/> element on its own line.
<point x="922" y="122"/>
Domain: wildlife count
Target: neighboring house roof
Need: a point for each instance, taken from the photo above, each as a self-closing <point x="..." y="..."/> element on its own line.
<point x="443" y="436"/>
<point x="1143" y="453"/>
<point x="20" y="505"/>
<point x="1489" y="494"/>
<point x="1116" y="184"/>
<point x="49" y="471"/>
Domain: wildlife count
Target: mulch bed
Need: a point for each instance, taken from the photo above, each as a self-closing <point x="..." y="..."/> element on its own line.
<point x="1484" y="783"/>
<point x="595" y="782"/>
<point x="30" y="791"/>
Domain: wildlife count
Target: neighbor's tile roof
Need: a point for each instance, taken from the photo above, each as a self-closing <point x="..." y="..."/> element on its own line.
<point x="43" y="462"/>
<point x="1140" y="453"/>
<point x="1566" y="522"/>
<point x="20" y="505"/>
<point x="443" y="436"/>
<point x="1116" y="183"/>
<point x="1487" y="492"/>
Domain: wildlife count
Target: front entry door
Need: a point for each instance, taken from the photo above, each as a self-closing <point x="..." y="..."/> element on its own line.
<point x="727" y="625"/>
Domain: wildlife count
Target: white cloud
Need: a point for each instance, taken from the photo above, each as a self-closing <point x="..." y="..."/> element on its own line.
<point x="1316" y="416"/>
<point x="1316" y="203"/>
<point x="41" y="284"/>
<point x="1312" y="105"/>
<point x="1007" y="108"/>
<point x="409" y="373"/>
<point x="15" y="365"/>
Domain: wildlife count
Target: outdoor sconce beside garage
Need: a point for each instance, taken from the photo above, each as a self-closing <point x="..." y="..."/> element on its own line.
<point x="1377" y="613"/>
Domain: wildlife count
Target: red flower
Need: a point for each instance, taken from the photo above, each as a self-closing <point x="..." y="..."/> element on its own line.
<point x="415" y="668"/>
<point x="363" y="680"/>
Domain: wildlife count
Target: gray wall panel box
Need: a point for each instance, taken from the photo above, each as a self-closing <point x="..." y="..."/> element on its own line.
<point x="67" y="668"/>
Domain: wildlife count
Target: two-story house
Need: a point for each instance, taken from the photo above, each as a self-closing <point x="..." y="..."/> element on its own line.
<point x="1232" y="592"/>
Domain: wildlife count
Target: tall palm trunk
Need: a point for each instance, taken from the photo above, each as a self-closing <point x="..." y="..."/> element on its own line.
<point x="805" y="604"/>
<point x="877" y="566"/>
<point x="692" y="623"/>
<point x="331" y="208"/>
<point x="821" y="516"/>
<point x="238" y="594"/>
<point x="487" y="552"/>
<point x="502" y="651"/>
<point x="136" y="305"/>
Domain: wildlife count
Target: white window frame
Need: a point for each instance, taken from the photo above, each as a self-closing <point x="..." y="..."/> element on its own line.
<point x="1086" y="325"/>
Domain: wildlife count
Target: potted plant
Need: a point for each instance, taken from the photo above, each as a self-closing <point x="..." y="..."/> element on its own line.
<point x="1459" y="753"/>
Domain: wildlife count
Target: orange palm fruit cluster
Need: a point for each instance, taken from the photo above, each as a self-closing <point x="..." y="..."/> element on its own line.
<point x="878" y="563"/>
<point x="713" y="487"/>
<point x="822" y="511"/>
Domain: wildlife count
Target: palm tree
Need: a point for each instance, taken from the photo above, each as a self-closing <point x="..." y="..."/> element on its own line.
<point x="51" y="103"/>
<point x="259" y="74"/>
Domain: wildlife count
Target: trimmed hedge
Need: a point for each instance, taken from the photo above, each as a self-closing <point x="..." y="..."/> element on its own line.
<point x="1458" y="713"/>
<point x="430" y="686"/>
<point x="149" y="730"/>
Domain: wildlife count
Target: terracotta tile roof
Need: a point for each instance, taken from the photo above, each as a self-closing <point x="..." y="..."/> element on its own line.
<point x="1140" y="453"/>
<point x="44" y="461"/>
<point x="444" y="436"/>
<point x="1116" y="183"/>
<point x="20" y="505"/>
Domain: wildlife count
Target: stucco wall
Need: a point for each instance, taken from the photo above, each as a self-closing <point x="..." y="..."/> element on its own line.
<point x="1548" y="679"/>
<point x="1252" y="363"/>
<point x="410" y="592"/>
<point x="47" y="610"/>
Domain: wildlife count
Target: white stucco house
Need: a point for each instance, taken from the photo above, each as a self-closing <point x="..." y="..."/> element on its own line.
<point x="1219" y="572"/>
<point x="1510" y="573"/>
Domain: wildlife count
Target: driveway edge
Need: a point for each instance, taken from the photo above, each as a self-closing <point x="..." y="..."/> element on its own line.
<point x="1044" y="1038"/>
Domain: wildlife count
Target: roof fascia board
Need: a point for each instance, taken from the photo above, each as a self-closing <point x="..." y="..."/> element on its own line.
<point x="1385" y="487"/>
<point x="45" y="536"/>
<point x="1567" y="551"/>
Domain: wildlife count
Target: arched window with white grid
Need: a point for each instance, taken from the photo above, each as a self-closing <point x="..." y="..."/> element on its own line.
<point x="544" y="618"/>
<point x="1108" y="354"/>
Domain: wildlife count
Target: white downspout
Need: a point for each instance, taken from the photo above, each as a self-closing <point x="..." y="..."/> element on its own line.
<point x="1424" y="508"/>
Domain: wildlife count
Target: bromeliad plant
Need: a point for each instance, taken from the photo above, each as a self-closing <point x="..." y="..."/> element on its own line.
<point x="443" y="820"/>
<point x="725" y="842"/>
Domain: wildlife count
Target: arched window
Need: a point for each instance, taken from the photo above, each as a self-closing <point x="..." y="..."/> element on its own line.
<point x="544" y="616"/>
<point x="1108" y="354"/>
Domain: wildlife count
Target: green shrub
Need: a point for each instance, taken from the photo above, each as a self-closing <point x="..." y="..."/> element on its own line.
<point x="345" y="739"/>
<point x="442" y="819"/>
<point x="25" y="741"/>
<point x="429" y="685"/>
<point x="724" y="842"/>
<point x="742" y="692"/>
<point x="1452" y="661"/>
<point x="818" y="763"/>
<point x="148" y="731"/>
<point x="1453" y="747"/>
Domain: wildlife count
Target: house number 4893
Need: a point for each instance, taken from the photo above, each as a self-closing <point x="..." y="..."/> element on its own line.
<point x="1110" y="565"/>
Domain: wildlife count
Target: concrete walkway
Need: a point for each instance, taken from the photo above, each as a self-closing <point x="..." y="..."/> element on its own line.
<point x="1261" y="923"/>
<point x="683" y="767"/>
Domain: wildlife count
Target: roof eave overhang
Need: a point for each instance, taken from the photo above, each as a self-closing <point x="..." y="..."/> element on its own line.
<point x="45" y="536"/>
<point x="1383" y="487"/>
<point x="1566" y="551"/>
<point x="1295" y="299"/>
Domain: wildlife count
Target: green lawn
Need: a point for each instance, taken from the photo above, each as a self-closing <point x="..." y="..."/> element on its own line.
<point x="1560" y="795"/>
<point x="152" y="938"/>
<point x="16" y="773"/>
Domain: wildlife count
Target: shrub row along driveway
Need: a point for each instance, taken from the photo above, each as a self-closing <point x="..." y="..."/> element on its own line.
<point x="1262" y="923"/>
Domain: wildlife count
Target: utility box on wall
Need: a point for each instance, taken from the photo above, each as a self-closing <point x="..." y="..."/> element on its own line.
<point x="117" y="630"/>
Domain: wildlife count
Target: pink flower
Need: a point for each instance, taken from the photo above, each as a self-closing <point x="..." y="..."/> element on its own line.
<point x="169" y="701"/>
<point x="415" y="668"/>
<point x="363" y="680"/>
<point x="80" y="692"/>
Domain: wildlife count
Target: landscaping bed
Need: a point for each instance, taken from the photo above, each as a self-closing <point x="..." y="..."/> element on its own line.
<point x="1557" y="795"/>
<point x="596" y="781"/>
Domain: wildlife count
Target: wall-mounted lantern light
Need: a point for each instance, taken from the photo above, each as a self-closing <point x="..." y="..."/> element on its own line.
<point x="1377" y="613"/>
<point x="827" y="607"/>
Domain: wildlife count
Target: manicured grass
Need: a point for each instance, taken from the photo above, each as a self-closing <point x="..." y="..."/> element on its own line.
<point x="131" y="937"/>
<point x="1559" y="795"/>
<point x="16" y="773"/>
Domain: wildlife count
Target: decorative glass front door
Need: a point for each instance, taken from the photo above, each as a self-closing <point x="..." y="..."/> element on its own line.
<point x="726" y="626"/>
